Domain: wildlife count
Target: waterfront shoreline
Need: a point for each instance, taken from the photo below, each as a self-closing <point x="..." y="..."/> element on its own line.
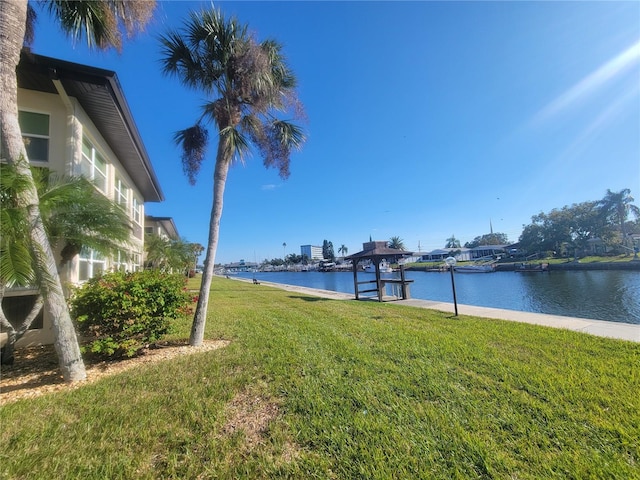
<point x="561" y="267"/>
<point x="602" y="328"/>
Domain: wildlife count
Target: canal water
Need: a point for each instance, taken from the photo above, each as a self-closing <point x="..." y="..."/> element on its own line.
<point x="597" y="294"/>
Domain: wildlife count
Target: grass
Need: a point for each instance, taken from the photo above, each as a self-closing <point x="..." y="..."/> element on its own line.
<point x="315" y="388"/>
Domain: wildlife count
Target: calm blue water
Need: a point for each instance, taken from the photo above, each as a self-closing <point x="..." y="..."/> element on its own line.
<point x="599" y="295"/>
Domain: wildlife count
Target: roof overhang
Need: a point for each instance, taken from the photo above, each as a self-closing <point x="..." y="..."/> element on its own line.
<point x="166" y="223"/>
<point x="99" y="93"/>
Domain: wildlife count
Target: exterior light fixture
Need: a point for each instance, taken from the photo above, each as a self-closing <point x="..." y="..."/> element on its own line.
<point x="451" y="262"/>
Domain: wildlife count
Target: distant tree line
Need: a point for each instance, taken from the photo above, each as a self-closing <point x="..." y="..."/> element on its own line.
<point x="567" y="230"/>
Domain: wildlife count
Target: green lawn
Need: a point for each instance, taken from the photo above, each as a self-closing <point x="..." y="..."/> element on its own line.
<point x="315" y="388"/>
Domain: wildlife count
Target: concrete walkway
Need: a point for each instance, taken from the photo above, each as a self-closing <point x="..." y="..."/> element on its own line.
<point x="623" y="331"/>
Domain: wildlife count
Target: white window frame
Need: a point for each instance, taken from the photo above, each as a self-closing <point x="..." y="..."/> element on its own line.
<point x="126" y="261"/>
<point x="121" y="192"/>
<point x="28" y="135"/>
<point x="94" y="173"/>
<point x="95" y="263"/>
<point x="121" y="261"/>
<point x="136" y="210"/>
<point x="135" y="262"/>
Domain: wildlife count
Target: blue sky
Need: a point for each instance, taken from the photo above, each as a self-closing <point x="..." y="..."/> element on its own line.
<point x="425" y="119"/>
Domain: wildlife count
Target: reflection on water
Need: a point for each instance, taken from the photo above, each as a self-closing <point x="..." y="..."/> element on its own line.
<point x="599" y="295"/>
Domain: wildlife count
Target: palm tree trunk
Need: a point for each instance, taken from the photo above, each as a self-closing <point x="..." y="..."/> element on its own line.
<point x="223" y="160"/>
<point x="13" y="15"/>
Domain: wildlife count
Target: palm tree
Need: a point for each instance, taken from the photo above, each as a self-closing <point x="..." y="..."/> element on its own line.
<point x="77" y="216"/>
<point x="74" y="214"/>
<point x="169" y="255"/>
<point x="157" y="251"/>
<point x="343" y="250"/>
<point x="247" y="84"/>
<point x="396" y="242"/>
<point x="452" y="242"/>
<point x="616" y="207"/>
<point x="196" y="251"/>
<point x="100" y="22"/>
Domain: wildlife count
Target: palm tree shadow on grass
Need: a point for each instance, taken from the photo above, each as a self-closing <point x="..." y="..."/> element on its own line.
<point x="310" y="299"/>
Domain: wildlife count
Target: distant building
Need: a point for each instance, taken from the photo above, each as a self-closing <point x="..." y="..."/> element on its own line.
<point x="461" y="254"/>
<point x="162" y="226"/>
<point x="240" y="266"/>
<point x="311" y="252"/>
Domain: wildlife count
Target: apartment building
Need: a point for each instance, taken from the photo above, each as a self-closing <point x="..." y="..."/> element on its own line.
<point x="75" y="120"/>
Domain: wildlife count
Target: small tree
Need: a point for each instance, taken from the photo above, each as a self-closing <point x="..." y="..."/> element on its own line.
<point x="169" y="255"/>
<point x="396" y="242"/>
<point x="327" y="251"/>
<point x="452" y="242"/>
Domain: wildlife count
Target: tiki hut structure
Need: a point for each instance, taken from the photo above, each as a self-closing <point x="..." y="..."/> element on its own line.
<point x="376" y="252"/>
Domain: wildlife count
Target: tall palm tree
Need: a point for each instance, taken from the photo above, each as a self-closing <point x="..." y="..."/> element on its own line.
<point x="247" y="84"/>
<point x="616" y="207"/>
<point x="74" y="215"/>
<point x="343" y="250"/>
<point x="396" y="242"/>
<point x="100" y="22"/>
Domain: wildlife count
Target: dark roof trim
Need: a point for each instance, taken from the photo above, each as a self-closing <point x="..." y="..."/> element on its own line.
<point x="100" y="94"/>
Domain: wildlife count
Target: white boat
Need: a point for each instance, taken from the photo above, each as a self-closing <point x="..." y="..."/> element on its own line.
<point x="486" y="268"/>
<point x="384" y="267"/>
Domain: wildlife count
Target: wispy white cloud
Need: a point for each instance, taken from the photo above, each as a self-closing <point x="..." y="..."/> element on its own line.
<point x="270" y="186"/>
<point x="591" y="84"/>
<point x="599" y="123"/>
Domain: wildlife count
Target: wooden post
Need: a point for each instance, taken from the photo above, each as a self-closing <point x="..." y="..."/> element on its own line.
<point x="354" y="264"/>
<point x="405" y="286"/>
<point x="379" y="284"/>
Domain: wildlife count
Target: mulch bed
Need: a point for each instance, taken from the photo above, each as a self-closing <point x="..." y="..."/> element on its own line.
<point x="35" y="369"/>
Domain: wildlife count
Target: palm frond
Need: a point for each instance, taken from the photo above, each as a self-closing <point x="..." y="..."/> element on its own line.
<point x="193" y="141"/>
<point x="16" y="266"/>
<point x="280" y="137"/>
<point x="280" y="71"/>
<point x="100" y="22"/>
<point x="237" y="144"/>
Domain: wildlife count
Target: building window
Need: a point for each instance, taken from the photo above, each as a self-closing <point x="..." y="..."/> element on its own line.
<point x="126" y="261"/>
<point x="91" y="263"/>
<point x="135" y="262"/>
<point x="121" y="261"/>
<point x="148" y="230"/>
<point x="136" y="210"/>
<point x="35" y="134"/>
<point x="121" y="193"/>
<point x="93" y="166"/>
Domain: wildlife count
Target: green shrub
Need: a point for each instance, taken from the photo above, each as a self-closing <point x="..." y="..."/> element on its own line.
<point x="123" y="312"/>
